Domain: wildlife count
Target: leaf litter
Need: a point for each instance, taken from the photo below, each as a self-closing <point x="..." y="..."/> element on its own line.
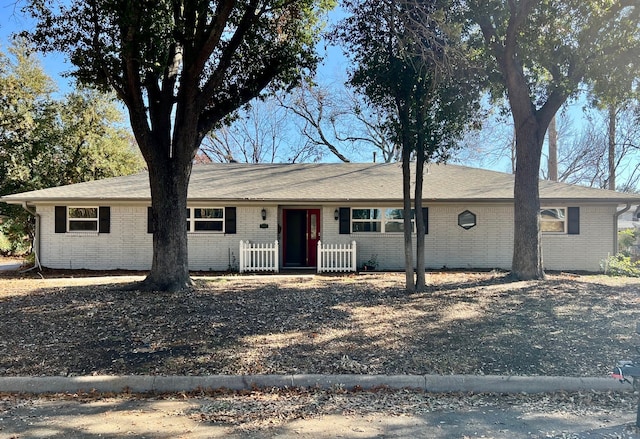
<point x="465" y="323"/>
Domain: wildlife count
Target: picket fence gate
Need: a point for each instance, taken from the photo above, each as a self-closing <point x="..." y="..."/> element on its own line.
<point x="336" y="257"/>
<point x="258" y="257"/>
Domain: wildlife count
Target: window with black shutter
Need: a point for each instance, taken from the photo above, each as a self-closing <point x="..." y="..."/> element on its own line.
<point x="344" y="215"/>
<point x="104" y="219"/>
<point x="230" y="220"/>
<point x="573" y="220"/>
<point x="61" y="219"/>
<point x="82" y="219"/>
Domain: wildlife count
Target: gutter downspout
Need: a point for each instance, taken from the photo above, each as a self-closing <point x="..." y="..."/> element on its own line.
<point x="616" y="216"/>
<point x="36" y="238"/>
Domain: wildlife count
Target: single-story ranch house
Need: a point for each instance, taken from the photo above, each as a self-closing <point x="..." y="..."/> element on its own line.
<point x="355" y="209"/>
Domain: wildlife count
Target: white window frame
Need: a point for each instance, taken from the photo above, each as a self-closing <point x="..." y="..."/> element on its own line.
<point x="76" y="220"/>
<point x="192" y="221"/>
<point x="383" y="220"/>
<point x="564" y="221"/>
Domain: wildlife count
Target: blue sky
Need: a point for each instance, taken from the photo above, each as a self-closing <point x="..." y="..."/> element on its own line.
<point x="331" y="71"/>
<point x="12" y="21"/>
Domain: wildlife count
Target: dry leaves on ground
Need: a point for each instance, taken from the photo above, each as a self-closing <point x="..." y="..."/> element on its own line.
<point x="469" y="323"/>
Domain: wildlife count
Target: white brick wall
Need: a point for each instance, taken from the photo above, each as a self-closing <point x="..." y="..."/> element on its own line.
<point x="219" y="252"/>
<point x="586" y="250"/>
<point x="129" y="246"/>
<point x="487" y="245"/>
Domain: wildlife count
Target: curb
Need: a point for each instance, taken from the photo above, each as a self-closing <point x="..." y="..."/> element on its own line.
<point x="427" y="383"/>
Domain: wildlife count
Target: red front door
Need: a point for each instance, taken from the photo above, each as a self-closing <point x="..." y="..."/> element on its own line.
<point x="301" y="232"/>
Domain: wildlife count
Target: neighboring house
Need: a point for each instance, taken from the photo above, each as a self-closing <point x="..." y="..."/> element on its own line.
<point x="468" y="213"/>
<point x="629" y="219"/>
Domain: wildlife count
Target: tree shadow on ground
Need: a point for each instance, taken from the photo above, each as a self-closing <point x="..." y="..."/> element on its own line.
<point x="465" y="323"/>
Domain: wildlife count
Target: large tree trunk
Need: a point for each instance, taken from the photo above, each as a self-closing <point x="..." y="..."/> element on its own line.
<point x="421" y="281"/>
<point x="527" y="248"/>
<point x="170" y="268"/>
<point x="403" y="115"/>
<point x="406" y="195"/>
<point x="530" y="127"/>
<point x="530" y="124"/>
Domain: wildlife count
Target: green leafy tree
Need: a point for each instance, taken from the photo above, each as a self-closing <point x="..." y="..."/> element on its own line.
<point x="408" y="61"/>
<point x="97" y="144"/>
<point x="47" y="141"/>
<point x="538" y="53"/>
<point x="180" y="67"/>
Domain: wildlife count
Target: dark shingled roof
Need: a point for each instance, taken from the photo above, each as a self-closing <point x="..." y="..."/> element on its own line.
<point x="334" y="182"/>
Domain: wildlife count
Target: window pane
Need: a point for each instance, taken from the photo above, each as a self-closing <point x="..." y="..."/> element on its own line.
<point x="357" y="214"/>
<point x="208" y="226"/>
<point x="313" y="224"/>
<point x="83" y="212"/>
<point x="84" y="226"/>
<point x="394" y="213"/>
<point x="467" y="219"/>
<point x="393" y="226"/>
<point x="552" y="214"/>
<point x="553" y="219"/>
<point x="369" y="226"/>
<point x="208" y="213"/>
<point x="552" y="226"/>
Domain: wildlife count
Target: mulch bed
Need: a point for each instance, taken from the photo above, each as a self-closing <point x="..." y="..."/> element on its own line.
<point x="466" y="323"/>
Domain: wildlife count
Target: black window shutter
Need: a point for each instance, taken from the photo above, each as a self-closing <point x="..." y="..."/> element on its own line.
<point x="425" y="219"/>
<point x="61" y="219"/>
<point x="104" y="214"/>
<point x="230" y="220"/>
<point x="149" y="219"/>
<point x="573" y="220"/>
<point x="344" y="220"/>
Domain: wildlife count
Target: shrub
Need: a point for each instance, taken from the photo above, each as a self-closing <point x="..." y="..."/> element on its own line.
<point x="621" y="265"/>
<point x="5" y="245"/>
<point x="626" y="239"/>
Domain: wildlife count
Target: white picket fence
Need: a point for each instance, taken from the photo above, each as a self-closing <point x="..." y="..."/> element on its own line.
<point x="258" y="257"/>
<point x="336" y="257"/>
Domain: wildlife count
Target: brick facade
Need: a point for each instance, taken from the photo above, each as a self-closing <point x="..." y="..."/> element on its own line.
<point x="487" y="245"/>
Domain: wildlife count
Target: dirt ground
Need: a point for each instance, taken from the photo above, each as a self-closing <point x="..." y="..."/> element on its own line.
<point x="77" y="323"/>
<point x="466" y="323"/>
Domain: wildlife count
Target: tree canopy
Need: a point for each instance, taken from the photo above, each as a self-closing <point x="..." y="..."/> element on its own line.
<point x="181" y="68"/>
<point x="539" y="53"/>
<point x="47" y="141"/>
<point x="409" y="59"/>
